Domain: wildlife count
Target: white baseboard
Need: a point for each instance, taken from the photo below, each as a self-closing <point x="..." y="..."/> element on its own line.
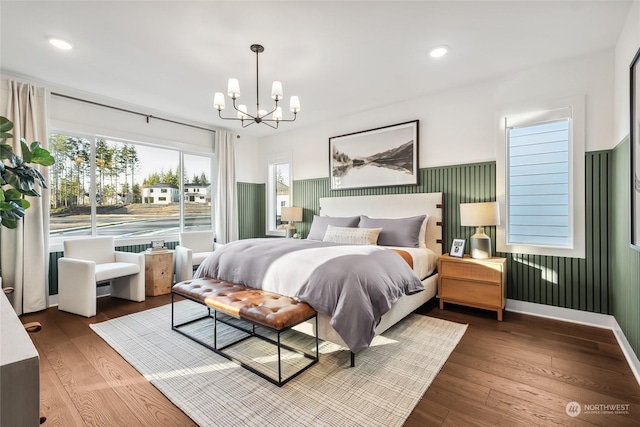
<point x="583" y="318"/>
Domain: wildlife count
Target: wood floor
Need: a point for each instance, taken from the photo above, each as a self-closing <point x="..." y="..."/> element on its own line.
<point x="522" y="371"/>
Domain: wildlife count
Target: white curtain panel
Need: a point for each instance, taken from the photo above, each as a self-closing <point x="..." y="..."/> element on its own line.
<point x="24" y="258"/>
<point x="226" y="196"/>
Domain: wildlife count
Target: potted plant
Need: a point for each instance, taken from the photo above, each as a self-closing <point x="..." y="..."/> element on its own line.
<point x="17" y="178"/>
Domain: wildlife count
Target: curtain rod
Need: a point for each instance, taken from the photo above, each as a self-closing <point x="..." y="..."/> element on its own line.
<point x="148" y="116"/>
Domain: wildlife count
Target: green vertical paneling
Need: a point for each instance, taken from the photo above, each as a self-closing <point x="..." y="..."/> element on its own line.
<point x="251" y="210"/>
<point x="624" y="295"/>
<point x="53" y="272"/>
<point x="565" y="282"/>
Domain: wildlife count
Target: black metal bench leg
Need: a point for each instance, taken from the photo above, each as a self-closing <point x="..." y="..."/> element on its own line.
<point x="353" y="359"/>
<point x="279" y="362"/>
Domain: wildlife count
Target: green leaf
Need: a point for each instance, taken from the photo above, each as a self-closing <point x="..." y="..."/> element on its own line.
<point x="26" y="152"/>
<point x="9" y="223"/>
<point x="6" y="151"/>
<point x="5" y="124"/>
<point x="17" y="178"/>
<point x="42" y="157"/>
<point x="12" y="194"/>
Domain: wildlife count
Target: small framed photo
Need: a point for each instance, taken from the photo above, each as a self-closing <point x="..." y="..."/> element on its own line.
<point x="457" y="248"/>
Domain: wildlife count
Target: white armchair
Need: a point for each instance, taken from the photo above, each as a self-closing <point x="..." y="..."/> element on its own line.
<point x="87" y="262"/>
<point x="192" y="249"/>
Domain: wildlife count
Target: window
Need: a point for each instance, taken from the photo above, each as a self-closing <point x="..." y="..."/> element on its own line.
<point x="538" y="184"/>
<point x="70" y="185"/>
<point x="278" y="192"/>
<point x="197" y="175"/>
<point x="112" y="187"/>
<point x="541" y="182"/>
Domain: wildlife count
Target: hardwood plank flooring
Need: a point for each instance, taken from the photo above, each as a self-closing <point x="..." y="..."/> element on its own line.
<point x="522" y="371"/>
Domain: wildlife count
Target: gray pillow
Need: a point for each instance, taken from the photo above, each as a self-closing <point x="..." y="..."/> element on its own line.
<point x="396" y="231"/>
<point x="320" y="223"/>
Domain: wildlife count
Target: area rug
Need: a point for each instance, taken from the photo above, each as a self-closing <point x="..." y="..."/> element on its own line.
<point x="382" y="389"/>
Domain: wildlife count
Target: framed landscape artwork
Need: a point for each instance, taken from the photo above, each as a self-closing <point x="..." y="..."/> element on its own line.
<point x="378" y="157"/>
<point x="634" y="143"/>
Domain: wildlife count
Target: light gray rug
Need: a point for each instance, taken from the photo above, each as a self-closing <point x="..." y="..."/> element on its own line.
<point x="387" y="382"/>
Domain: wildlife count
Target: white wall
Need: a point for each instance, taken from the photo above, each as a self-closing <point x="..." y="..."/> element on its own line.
<point x="248" y="167"/>
<point x="626" y="47"/>
<point x="69" y="115"/>
<point x="459" y="126"/>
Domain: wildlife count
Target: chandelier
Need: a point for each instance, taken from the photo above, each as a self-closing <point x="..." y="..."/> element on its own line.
<point x="261" y="116"/>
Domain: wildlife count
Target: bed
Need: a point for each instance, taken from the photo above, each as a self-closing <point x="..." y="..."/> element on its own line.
<point x="275" y="276"/>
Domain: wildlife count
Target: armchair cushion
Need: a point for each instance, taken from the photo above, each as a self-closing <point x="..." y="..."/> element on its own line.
<point x="112" y="270"/>
<point x="198" y="257"/>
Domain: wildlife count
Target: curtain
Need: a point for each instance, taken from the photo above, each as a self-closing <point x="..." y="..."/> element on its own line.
<point x="226" y="197"/>
<point x="24" y="251"/>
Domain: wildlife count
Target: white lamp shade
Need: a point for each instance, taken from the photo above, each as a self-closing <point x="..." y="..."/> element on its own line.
<point x="294" y="104"/>
<point x="218" y="101"/>
<point x="276" y="90"/>
<point x="277" y="115"/>
<point x="291" y="213"/>
<point x="233" y="89"/>
<point x="479" y="214"/>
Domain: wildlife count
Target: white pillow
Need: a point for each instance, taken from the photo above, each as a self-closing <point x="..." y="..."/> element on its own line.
<point x="351" y="235"/>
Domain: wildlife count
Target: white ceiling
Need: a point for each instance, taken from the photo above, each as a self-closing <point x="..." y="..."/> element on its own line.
<point x="338" y="57"/>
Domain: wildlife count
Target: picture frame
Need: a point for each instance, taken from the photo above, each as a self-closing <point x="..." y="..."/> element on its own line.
<point x="634" y="151"/>
<point x="157" y="244"/>
<point x="457" y="248"/>
<point x="380" y="157"/>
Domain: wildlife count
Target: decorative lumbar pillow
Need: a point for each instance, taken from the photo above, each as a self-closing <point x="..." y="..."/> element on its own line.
<point x="405" y="232"/>
<point x="352" y="235"/>
<point x="320" y="223"/>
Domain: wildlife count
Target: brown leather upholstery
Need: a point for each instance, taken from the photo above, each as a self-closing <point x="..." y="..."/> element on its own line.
<point x="265" y="308"/>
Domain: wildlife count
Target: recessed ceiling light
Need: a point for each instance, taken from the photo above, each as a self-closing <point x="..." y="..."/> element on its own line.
<point x="60" y="44"/>
<point x="439" y="51"/>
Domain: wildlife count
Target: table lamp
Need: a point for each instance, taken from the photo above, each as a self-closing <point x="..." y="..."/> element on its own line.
<point x="291" y="214"/>
<point x="480" y="215"/>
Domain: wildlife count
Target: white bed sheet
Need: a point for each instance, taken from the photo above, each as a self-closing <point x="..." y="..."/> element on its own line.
<point x="424" y="260"/>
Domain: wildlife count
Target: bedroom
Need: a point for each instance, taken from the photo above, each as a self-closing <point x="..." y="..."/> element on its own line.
<point x="600" y="73"/>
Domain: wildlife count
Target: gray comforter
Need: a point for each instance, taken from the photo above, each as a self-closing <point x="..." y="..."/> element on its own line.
<point x="353" y="285"/>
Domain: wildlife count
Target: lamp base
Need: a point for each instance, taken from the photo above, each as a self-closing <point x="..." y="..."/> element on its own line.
<point x="290" y="232"/>
<point x="480" y="245"/>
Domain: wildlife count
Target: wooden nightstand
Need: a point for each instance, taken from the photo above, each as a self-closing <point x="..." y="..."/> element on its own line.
<point x="477" y="283"/>
<point x="158" y="272"/>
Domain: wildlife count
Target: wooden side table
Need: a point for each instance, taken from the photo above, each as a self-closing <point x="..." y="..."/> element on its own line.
<point x="473" y="282"/>
<point x="158" y="272"/>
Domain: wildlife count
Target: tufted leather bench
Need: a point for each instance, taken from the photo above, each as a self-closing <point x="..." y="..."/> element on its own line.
<point x="268" y="309"/>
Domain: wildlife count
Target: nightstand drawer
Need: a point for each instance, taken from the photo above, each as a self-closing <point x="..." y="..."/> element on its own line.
<point x="470" y="270"/>
<point x="487" y="294"/>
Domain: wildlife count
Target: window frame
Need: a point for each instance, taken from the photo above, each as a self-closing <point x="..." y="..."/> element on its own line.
<point x="273" y="161"/>
<point x="534" y="113"/>
<point x="56" y="244"/>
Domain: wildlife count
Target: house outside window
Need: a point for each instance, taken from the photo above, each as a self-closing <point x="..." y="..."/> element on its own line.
<point x="278" y="192"/>
<point x="541" y="181"/>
